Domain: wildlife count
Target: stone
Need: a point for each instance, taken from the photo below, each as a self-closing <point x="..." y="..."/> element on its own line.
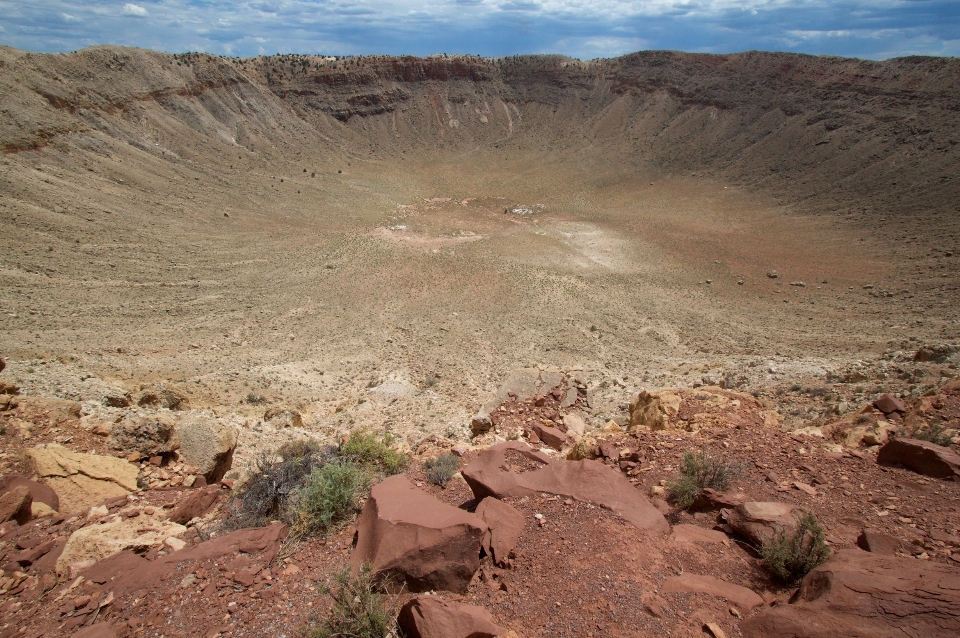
<point x="887" y="403"/>
<point x="940" y="353"/>
<point x="15" y="505"/>
<point x="282" y="418"/>
<point x="416" y="539"/>
<point x="759" y="521"/>
<point x="710" y="500"/>
<point x="586" y="480"/>
<point x="97" y="541"/>
<point x="714" y="630"/>
<point x="610" y="450"/>
<point x="162" y="396"/>
<point x="743" y="598"/>
<point x="433" y="617"/>
<point x="56" y="410"/>
<point x="174" y="544"/>
<point x="876" y="542"/>
<point x="208" y="445"/>
<point x="576" y="426"/>
<point x="146" y="435"/>
<point x="551" y="436"/>
<point x="82" y="480"/>
<point x="198" y="503"/>
<point x="41" y="494"/>
<point x="686" y="533"/>
<point x="505" y="526"/>
<point x="922" y="457"/>
<point x="865" y="595"/>
<point x="695" y="409"/>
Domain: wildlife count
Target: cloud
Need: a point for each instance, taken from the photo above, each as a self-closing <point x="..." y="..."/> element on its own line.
<point x="579" y="28"/>
<point x="133" y="10"/>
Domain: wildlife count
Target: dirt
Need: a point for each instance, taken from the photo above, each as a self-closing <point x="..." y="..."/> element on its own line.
<point x="341" y="239"/>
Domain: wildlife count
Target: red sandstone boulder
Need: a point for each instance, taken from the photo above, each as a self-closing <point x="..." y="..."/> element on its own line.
<point x="433" y="617"/>
<point x="710" y="500"/>
<point x="588" y="481"/>
<point x="415" y="538"/>
<point x="759" y="521"/>
<point x="741" y="597"/>
<point x="922" y="457"/>
<point x="41" y="493"/>
<point x="506" y="525"/>
<point x="857" y="594"/>
<point x="15" y="505"/>
<point x="876" y="542"/>
<point x="551" y="436"/>
<point x="196" y="504"/>
<point x="887" y="403"/>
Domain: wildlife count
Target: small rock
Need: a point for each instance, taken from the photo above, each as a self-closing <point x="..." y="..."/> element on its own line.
<point x="714" y="630"/>
<point x="773" y="274"/>
<point x="174" y="543"/>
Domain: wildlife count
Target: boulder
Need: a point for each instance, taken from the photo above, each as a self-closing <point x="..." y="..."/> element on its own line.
<point x="208" y="445"/>
<point x="99" y="540"/>
<point x="939" y="353"/>
<point x="41" y="493"/>
<point x="522" y="384"/>
<point x="759" y="521"/>
<point x="96" y="630"/>
<point x="576" y="426"/>
<point x="876" y="542"/>
<point x="162" y="396"/>
<point x="887" y="403"/>
<point x="416" y="539"/>
<point x="506" y="525"/>
<point x="707" y="407"/>
<point x="742" y="598"/>
<point x="858" y="594"/>
<point x="433" y="617"/>
<point x="588" y="481"/>
<point x="551" y="436"/>
<point x="922" y="457"/>
<point x="82" y="480"/>
<point x="146" y="435"/>
<point x="710" y="500"/>
<point x="198" y="503"/>
<point x="15" y="505"/>
<point x="686" y="533"/>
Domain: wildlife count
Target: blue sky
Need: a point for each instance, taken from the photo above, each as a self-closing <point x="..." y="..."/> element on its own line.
<point x="585" y="29"/>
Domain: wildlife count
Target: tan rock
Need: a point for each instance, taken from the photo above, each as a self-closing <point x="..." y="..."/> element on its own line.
<point x="742" y="597"/>
<point x="208" y="445"/>
<point x="99" y="540"/>
<point x="82" y="480"/>
<point x="707" y="407"/>
<point x="56" y="410"/>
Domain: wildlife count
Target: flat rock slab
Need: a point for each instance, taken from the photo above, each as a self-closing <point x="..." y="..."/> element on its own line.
<point x="587" y="481"/>
<point x="922" y="457"/>
<point x="417" y="539"/>
<point x="433" y="617"/>
<point x="741" y="597"/>
<point x="506" y="525"/>
<point x="858" y="594"/>
<point x="686" y="533"/>
<point x="877" y="542"/>
<point x="41" y="493"/>
<point x="82" y="480"/>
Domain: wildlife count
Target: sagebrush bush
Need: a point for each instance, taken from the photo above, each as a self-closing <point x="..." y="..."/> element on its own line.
<point x="372" y="452"/>
<point x="699" y="471"/>
<point x="934" y="433"/>
<point x="792" y="555"/>
<point x="358" y="610"/>
<point x="330" y="494"/>
<point x="441" y="469"/>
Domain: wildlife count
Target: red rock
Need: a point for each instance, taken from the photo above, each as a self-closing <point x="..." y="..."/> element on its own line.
<point x="506" y="525"/>
<point x="15" y="505"/>
<point x="888" y="403"/>
<point x="198" y="503"/>
<point x="710" y="500"/>
<point x="29" y="556"/>
<point x="610" y="450"/>
<point x="862" y="595"/>
<point x="685" y="533"/>
<point x="873" y="541"/>
<point x="417" y="539"/>
<point x="433" y="617"/>
<point x="97" y="630"/>
<point x="758" y="521"/>
<point x="803" y="487"/>
<point x="551" y="436"/>
<point x="41" y="493"/>
<point x="588" y="481"/>
<point x="109" y="568"/>
<point x="743" y="598"/>
<point x="922" y="457"/>
<point x="48" y="562"/>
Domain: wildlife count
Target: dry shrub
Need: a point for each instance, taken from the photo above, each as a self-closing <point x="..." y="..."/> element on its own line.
<point x="791" y="556"/>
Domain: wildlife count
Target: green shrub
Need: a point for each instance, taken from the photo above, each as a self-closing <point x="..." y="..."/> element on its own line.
<point x="697" y="472"/>
<point x="358" y="610"/>
<point x="373" y="452"/>
<point x="791" y="556"/>
<point x="934" y="433"/>
<point x="329" y="495"/>
<point x="441" y="469"/>
<point x="268" y="495"/>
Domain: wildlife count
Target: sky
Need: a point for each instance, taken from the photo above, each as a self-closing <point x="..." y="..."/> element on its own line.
<point x="585" y="29"/>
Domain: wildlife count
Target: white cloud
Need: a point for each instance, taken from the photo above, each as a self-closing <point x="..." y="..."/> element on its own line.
<point x="133" y="10"/>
